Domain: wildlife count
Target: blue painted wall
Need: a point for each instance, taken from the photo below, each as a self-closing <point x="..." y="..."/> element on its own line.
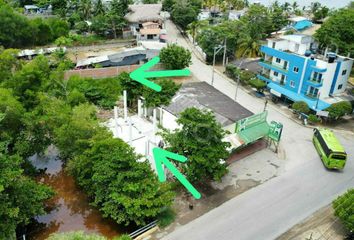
<point x="293" y="61"/>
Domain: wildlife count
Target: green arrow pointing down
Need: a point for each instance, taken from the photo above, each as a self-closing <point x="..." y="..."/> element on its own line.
<point x="141" y="74"/>
<point x="161" y="158"/>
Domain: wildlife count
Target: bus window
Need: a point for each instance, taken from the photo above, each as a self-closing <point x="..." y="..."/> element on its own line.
<point x="338" y="157"/>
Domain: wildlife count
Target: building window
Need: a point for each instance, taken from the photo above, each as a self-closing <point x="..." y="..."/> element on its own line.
<point x="296" y="69"/>
<point x="340" y="86"/>
<point x="292" y="84"/>
<point x="276" y="74"/>
<point x="344" y="72"/>
<point x="278" y="60"/>
<point x="273" y="45"/>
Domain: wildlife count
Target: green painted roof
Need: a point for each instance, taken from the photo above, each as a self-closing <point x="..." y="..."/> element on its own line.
<point x="331" y="140"/>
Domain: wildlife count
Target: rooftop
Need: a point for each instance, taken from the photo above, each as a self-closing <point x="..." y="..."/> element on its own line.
<point x="144" y="13"/>
<point x="203" y="96"/>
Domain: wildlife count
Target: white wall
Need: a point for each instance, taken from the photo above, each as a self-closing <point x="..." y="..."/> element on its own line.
<point x="343" y="79"/>
<point x="168" y="120"/>
<point x="327" y="78"/>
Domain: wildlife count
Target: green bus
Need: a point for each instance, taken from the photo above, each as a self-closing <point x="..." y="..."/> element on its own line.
<point x="329" y="148"/>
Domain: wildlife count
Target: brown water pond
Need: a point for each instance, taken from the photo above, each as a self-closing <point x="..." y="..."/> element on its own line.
<point x="69" y="210"/>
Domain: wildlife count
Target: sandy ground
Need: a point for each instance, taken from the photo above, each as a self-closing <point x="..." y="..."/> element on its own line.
<point x="322" y="225"/>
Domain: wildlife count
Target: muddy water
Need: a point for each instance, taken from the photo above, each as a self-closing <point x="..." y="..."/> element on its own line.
<point x="69" y="210"/>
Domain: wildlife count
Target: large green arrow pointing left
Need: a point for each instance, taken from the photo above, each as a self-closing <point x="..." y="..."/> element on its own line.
<point x="141" y="74"/>
<point x="161" y="158"/>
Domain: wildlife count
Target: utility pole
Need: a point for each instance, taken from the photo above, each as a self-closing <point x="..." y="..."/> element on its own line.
<point x="216" y="50"/>
<point x="224" y="57"/>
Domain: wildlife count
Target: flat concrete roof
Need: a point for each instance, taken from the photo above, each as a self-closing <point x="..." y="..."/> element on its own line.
<point x="203" y="96"/>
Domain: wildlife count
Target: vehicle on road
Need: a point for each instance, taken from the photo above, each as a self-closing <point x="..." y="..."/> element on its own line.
<point x="332" y="153"/>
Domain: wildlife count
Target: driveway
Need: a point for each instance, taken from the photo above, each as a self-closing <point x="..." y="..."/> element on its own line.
<point x="270" y="209"/>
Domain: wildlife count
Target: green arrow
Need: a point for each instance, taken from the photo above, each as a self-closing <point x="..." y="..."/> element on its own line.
<point x="161" y="158"/>
<point x="141" y="74"/>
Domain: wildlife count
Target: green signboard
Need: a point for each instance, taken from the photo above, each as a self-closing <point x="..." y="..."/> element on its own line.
<point x="251" y="121"/>
<point x="275" y="131"/>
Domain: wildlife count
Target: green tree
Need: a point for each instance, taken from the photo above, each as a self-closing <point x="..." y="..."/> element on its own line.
<point x="167" y="5"/>
<point x="43" y="32"/>
<point x="338" y="31"/>
<point x="132" y="196"/>
<point x="301" y="107"/>
<point x="15" y="30"/>
<point x="183" y="14"/>
<point x="30" y="80"/>
<point x="72" y="137"/>
<point x="60" y="28"/>
<point x="163" y="98"/>
<point x="20" y="197"/>
<point x="338" y="110"/>
<point x="200" y="140"/>
<point x="195" y="27"/>
<point x="258" y="84"/>
<point x="134" y="89"/>
<point x="8" y="64"/>
<point x="320" y="13"/>
<point x="344" y="209"/>
<point x="60" y="7"/>
<point x="99" y="8"/>
<point x="150" y="1"/>
<point x="175" y="57"/>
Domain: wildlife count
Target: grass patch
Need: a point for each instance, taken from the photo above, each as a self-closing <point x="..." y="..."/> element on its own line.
<point x="166" y="217"/>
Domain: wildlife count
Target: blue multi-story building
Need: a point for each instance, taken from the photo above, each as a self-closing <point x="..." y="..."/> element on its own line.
<point x="291" y="70"/>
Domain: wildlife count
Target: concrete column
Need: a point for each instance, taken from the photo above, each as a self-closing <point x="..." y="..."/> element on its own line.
<point x="125" y="105"/>
<point x="139" y="107"/>
<point x="154" y="123"/>
<point x="130" y="132"/>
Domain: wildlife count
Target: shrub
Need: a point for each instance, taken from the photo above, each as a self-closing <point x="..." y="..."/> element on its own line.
<point x="231" y="71"/>
<point x="166" y="217"/>
<point x="344" y="209"/>
<point x="338" y="110"/>
<point x="301" y="107"/>
<point x="175" y="57"/>
<point x="258" y="84"/>
<point x="313" y="119"/>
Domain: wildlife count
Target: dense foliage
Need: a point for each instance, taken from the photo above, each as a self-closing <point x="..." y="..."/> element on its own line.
<point x="38" y="107"/>
<point x="337" y="32"/>
<point x="122" y="188"/>
<point x="301" y="107"/>
<point x="339" y="109"/>
<point x="344" y="209"/>
<point x="21" y="198"/>
<point x="152" y="98"/>
<point x="200" y="140"/>
<point x="175" y="57"/>
<point x="17" y="31"/>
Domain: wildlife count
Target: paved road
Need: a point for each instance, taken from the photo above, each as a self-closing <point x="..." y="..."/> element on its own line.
<point x="267" y="211"/>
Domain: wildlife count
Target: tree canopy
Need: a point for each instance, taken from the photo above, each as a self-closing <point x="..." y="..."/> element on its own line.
<point x="175" y="57"/>
<point x="200" y="140"/>
<point x="337" y="32"/>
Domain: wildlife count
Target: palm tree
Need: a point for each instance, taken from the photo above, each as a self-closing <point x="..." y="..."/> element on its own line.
<point x="295" y="6"/>
<point x="99" y="8"/>
<point x="85" y="8"/>
<point x="286" y="6"/>
<point x="195" y="26"/>
<point x="248" y="46"/>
